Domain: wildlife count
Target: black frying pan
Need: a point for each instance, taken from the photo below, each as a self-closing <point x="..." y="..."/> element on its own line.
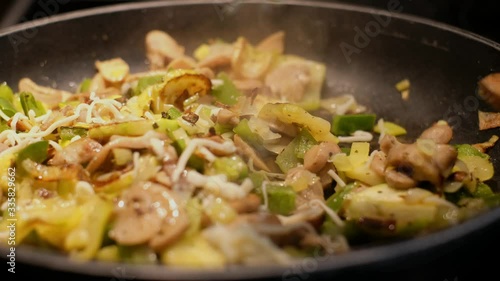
<point x="366" y="51"/>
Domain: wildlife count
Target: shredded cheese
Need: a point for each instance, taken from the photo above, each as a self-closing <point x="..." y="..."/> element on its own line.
<point x="193" y="144"/>
<point x="336" y="177"/>
<point x="358" y="136"/>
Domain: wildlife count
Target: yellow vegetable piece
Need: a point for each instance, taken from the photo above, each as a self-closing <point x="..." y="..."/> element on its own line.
<point x="91" y="229"/>
<point x="391" y="129"/>
<point x="220" y="211"/>
<point x="403" y="85"/>
<point x="202" y="52"/>
<point x="365" y="175"/>
<point x="294" y="114"/>
<point x="360" y="152"/>
<point x="481" y="168"/>
<point x="249" y="62"/>
<point x="342" y="162"/>
<point x="109" y="253"/>
<point x="114" y="70"/>
<point x="193" y="252"/>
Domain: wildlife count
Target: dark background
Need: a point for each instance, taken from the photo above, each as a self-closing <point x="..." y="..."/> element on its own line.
<point x="478" y="16"/>
<point x="471" y="263"/>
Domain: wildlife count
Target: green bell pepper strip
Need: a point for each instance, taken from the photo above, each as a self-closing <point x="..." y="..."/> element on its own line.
<point x="335" y="201"/>
<point x="280" y="199"/>
<point x="85" y="85"/>
<point x="304" y="143"/>
<point x="233" y="167"/>
<point x="145" y="82"/>
<point x="469" y="150"/>
<point x="287" y="159"/>
<point x="37" y="152"/>
<point x="227" y="93"/>
<point x="345" y="125"/>
<point x="68" y="133"/>
<point x="7" y="107"/>
<point x="28" y="102"/>
<point x="244" y="131"/>
<point x="6" y="92"/>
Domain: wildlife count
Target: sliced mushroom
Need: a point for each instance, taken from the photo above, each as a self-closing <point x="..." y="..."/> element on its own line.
<point x="317" y="156"/>
<point x="248" y="62"/>
<point x="489" y="89"/>
<point x="161" y="49"/>
<point x="248" y="204"/>
<point x="409" y="164"/>
<point x="378" y="163"/>
<point x="220" y="54"/>
<point x="122" y="142"/>
<point x="273" y="43"/>
<point x="113" y="70"/>
<point x="52" y="173"/>
<point x="488" y="120"/>
<point x="225" y="116"/>
<point x="149" y="213"/>
<point x="289" y="81"/>
<point x="182" y="63"/>
<point x="440" y="133"/>
<point x="49" y="96"/>
<point x="79" y="151"/>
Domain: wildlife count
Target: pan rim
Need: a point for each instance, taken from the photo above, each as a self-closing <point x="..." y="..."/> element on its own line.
<point x="352" y="259"/>
<point x="159" y="3"/>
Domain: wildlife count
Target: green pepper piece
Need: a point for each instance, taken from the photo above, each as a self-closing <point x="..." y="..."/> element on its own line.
<point x="305" y="142"/>
<point x="483" y="191"/>
<point x="227" y="93"/>
<point x="469" y="150"/>
<point x="280" y="199"/>
<point x="7" y="107"/>
<point x="194" y="161"/>
<point x="6" y="92"/>
<point x="28" y="103"/>
<point x="287" y="159"/>
<point x="166" y="126"/>
<point x="67" y="133"/>
<point x="345" y="125"/>
<point x="4" y="127"/>
<point x="145" y="82"/>
<point x="335" y="201"/>
<point x="37" y="152"/>
<point x="173" y="113"/>
<point x="243" y="130"/>
<point x="137" y="254"/>
<point x="233" y="167"/>
<point x="85" y="85"/>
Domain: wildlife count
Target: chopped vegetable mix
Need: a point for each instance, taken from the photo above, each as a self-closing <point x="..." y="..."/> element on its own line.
<point x="231" y="157"/>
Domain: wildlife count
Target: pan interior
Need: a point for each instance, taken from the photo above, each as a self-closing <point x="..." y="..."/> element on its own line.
<point x="366" y="53"/>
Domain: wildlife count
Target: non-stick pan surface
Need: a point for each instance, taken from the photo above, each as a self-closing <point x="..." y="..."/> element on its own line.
<point x="366" y="52"/>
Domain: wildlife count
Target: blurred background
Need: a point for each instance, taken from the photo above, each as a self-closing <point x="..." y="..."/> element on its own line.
<point x="478" y="16"/>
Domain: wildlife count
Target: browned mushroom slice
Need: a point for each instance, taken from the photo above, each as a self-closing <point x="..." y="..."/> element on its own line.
<point x="248" y="62"/>
<point x="488" y="120"/>
<point x="248" y="204"/>
<point x="489" y="89"/>
<point x="424" y="160"/>
<point x="161" y="49"/>
<point x="289" y="81"/>
<point x="182" y="63"/>
<point x="79" y="151"/>
<point x="49" y="96"/>
<point x="440" y="133"/>
<point x="148" y="213"/>
<point x="317" y="156"/>
<point x="273" y="43"/>
<point x="220" y="54"/>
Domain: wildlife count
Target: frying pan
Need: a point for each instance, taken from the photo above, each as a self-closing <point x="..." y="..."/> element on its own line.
<point x="366" y="52"/>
